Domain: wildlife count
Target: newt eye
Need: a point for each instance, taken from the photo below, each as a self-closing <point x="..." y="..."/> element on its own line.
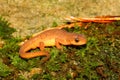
<point x="76" y="40"/>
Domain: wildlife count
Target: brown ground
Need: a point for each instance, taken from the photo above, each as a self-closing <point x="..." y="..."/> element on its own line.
<point x="29" y="16"/>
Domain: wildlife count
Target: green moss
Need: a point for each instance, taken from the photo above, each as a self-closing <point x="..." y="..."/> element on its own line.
<point x="18" y="62"/>
<point x="11" y="46"/>
<point x="4" y="70"/>
<point x="5" y="29"/>
<point x="20" y="78"/>
<point x="47" y="76"/>
<point x="54" y="24"/>
<point x="101" y="50"/>
<point x="54" y="53"/>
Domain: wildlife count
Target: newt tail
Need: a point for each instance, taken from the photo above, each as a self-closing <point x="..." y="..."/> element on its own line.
<point x="28" y="55"/>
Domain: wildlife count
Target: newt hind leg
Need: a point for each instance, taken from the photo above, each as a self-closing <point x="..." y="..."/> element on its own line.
<point x="46" y="54"/>
<point x="42" y="46"/>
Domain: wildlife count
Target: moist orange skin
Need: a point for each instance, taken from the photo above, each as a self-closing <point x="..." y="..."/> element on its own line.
<point x="52" y="37"/>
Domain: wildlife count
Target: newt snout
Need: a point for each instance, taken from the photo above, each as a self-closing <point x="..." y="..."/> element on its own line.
<point x="79" y="40"/>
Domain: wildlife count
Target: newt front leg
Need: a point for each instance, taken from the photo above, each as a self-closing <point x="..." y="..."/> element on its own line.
<point x="57" y="44"/>
<point x="41" y="46"/>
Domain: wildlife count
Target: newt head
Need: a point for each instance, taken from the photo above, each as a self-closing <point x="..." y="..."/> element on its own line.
<point x="78" y="39"/>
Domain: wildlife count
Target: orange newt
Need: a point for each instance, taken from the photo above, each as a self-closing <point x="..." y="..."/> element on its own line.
<point x="51" y="37"/>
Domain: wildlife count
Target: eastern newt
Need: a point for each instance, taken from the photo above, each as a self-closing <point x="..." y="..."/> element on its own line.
<point x="51" y="37"/>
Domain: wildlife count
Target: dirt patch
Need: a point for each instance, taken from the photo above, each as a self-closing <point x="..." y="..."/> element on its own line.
<point x="31" y="16"/>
